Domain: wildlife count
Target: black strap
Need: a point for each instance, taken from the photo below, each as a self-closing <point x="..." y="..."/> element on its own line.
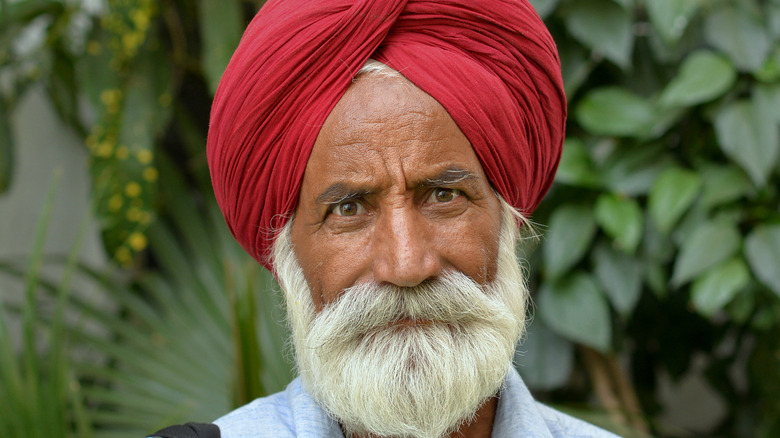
<point x="189" y="430"/>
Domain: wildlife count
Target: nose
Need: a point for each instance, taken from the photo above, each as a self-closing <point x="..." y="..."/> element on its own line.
<point x="404" y="253"/>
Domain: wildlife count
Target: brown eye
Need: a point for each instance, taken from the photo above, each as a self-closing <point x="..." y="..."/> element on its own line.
<point x="444" y="195"/>
<point x="349" y="208"/>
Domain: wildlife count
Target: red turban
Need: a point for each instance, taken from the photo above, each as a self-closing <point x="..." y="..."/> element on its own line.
<point x="490" y="63"/>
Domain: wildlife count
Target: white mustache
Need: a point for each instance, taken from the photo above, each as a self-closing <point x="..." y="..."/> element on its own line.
<point x="453" y="299"/>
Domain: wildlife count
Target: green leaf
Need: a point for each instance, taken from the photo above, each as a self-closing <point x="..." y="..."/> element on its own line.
<point x="249" y="361"/>
<point x="576" y="167"/>
<point x="621" y="219"/>
<point x="764" y="320"/>
<point x="748" y="134"/>
<point x="97" y="72"/>
<point x="718" y="286"/>
<point x="620" y="277"/>
<point x="662" y="52"/>
<point x="740" y="309"/>
<point x="762" y="249"/>
<point x="671" y="195"/>
<point x="770" y="71"/>
<point x="187" y="331"/>
<point x="576" y="309"/>
<point x="690" y="222"/>
<point x="152" y="81"/>
<point x="767" y="99"/>
<point x="63" y="89"/>
<point x="576" y="65"/>
<point x="739" y="34"/>
<point x="33" y="365"/>
<point x="544" y="359"/>
<point x="122" y="144"/>
<point x="221" y="23"/>
<point x="604" y="26"/>
<point x="707" y="246"/>
<point x="6" y="150"/>
<point x="544" y="7"/>
<point x="656" y="247"/>
<point x="703" y="76"/>
<point x="663" y="119"/>
<point x="656" y="279"/>
<point x="614" y="111"/>
<point x="633" y="171"/>
<point x="671" y="17"/>
<point x="571" y="230"/>
<point x="35" y="376"/>
<point x="274" y="334"/>
<point x="723" y="184"/>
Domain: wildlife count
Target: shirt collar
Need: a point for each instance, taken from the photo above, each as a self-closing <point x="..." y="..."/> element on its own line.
<point x="517" y="415"/>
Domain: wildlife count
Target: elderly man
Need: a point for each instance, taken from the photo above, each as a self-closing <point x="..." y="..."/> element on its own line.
<point x="380" y="157"/>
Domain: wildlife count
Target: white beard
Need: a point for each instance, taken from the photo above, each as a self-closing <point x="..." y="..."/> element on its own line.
<point x="423" y="381"/>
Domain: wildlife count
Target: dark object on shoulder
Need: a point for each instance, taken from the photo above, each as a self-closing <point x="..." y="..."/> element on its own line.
<point x="189" y="430"/>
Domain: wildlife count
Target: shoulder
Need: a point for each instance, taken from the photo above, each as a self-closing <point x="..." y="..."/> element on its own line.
<point x="563" y="425"/>
<point x="269" y="416"/>
<point x="286" y="414"/>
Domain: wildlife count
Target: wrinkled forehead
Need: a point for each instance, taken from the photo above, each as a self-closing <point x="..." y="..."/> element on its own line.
<point x="391" y="100"/>
<point x="384" y="121"/>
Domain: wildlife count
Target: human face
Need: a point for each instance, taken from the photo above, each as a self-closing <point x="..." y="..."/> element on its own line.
<point x="373" y="374"/>
<point x="393" y="193"/>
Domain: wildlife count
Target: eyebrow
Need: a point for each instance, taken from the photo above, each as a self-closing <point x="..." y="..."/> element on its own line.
<point x="450" y="176"/>
<point x="340" y="191"/>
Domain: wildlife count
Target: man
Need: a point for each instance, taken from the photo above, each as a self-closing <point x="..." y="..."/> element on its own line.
<point x="380" y="156"/>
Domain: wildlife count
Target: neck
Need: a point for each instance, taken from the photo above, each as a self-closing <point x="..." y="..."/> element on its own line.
<point x="480" y="427"/>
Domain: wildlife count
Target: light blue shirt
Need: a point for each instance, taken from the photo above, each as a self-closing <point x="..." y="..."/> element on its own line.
<point x="294" y="413"/>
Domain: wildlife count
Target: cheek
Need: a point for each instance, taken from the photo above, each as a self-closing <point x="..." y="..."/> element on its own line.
<point x="472" y="247"/>
<point x="330" y="264"/>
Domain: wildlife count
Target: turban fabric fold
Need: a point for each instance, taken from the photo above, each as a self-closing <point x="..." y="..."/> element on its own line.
<point x="490" y="63"/>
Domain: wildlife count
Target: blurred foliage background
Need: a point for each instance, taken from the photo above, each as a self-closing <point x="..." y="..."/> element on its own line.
<point x="660" y="256"/>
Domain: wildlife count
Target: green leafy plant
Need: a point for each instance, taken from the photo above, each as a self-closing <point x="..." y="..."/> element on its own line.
<point x="191" y="340"/>
<point x="201" y="335"/>
<point x="126" y="62"/>
<point x="39" y="389"/>
<point x="662" y="224"/>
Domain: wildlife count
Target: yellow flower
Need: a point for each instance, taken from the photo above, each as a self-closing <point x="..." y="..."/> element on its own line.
<point x="140" y="19"/>
<point x="132" y="189"/>
<point x="123" y="256"/>
<point x="137" y="241"/>
<point x="104" y="150"/>
<point x="110" y="96"/>
<point x="115" y="203"/>
<point x="146" y="218"/>
<point x="144" y="156"/>
<point x="122" y="153"/>
<point x="134" y="215"/>
<point x="151" y="174"/>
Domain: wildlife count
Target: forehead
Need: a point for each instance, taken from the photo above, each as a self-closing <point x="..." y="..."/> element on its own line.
<point x="384" y="128"/>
